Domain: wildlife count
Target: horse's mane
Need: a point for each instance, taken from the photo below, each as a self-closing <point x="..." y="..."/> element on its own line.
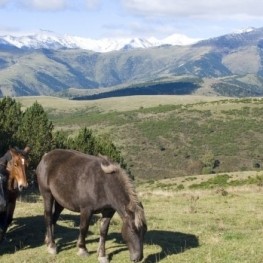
<point x="135" y="206"/>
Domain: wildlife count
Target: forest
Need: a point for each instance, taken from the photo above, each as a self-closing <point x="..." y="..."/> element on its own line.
<point x="32" y="127"/>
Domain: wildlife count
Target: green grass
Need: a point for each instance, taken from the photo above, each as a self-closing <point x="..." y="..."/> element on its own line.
<point x="169" y="136"/>
<point x="224" y="180"/>
<point x="187" y="225"/>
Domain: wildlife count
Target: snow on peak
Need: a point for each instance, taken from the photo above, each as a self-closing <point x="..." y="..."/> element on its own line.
<point x="244" y="30"/>
<point x="51" y="40"/>
<point x="178" y="39"/>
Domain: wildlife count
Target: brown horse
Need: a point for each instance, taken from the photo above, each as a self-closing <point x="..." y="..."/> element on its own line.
<point x="89" y="185"/>
<point x="17" y="180"/>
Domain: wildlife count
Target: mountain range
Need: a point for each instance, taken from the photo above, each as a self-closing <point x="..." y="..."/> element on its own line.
<point x="50" y="40"/>
<point x="49" y="64"/>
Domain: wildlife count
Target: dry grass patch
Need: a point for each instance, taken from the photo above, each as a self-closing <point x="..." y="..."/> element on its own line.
<point x="113" y="104"/>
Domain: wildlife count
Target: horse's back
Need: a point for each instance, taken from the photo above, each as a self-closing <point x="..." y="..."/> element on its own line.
<point x="71" y="176"/>
<point x="60" y="162"/>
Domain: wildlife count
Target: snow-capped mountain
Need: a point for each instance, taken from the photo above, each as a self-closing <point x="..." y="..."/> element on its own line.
<point x="225" y="65"/>
<point x="50" y="40"/>
<point x="244" y="30"/>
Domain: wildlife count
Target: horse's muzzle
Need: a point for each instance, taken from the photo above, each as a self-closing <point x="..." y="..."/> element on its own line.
<point x="137" y="258"/>
<point x="21" y="187"/>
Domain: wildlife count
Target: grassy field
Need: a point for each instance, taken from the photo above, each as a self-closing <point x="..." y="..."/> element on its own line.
<point x="195" y="219"/>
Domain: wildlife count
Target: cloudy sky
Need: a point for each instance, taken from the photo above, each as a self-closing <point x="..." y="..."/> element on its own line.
<point x="128" y="18"/>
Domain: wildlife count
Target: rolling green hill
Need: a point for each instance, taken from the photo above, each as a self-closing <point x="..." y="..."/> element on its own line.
<point x="170" y="136"/>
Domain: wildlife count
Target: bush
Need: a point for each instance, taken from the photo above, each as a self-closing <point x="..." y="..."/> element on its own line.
<point x="215" y="181"/>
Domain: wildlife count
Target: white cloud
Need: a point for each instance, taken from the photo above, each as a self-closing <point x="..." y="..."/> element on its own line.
<point x="46" y="5"/>
<point x="92" y="4"/>
<point x="194" y="8"/>
<point x="3" y="3"/>
<point x="52" y="5"/>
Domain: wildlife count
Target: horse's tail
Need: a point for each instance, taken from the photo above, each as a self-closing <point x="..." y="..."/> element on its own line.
<point x="107" y="166"/>
<point x="109" y="169"/>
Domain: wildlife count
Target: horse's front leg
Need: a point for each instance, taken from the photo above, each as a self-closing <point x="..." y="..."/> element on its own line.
<point x="3" y="225"/>
<point x="11" y="205"/>
<point x="6" y="217"/>
<point x="104" y="228"/>
<point x="85" y="216"/>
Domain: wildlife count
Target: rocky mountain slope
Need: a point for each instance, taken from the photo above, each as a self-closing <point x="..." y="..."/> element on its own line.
<point x="229" y="65"/>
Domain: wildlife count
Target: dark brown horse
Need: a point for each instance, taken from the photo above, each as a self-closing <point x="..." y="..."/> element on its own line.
<point x="17" y="180"/>
<point x="89" y="185"/>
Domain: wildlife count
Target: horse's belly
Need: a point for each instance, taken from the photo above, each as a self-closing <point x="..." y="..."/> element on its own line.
<point x="68" y="202"/>
<point x="69" y="206"/>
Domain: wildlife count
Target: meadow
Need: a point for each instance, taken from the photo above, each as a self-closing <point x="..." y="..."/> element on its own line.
<point x="203" y="219"/>
<point x="192" y="217"/>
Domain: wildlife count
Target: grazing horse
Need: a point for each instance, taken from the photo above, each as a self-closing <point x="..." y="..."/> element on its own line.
<point x="16" y="182"/>
<point x="90" y="185"/>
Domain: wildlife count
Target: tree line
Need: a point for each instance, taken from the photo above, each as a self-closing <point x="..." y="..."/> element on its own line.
<point x="33" y="128"/>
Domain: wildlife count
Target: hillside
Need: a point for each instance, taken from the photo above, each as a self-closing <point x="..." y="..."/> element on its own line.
<point x="229" y="65"/>
<point x="170" y="136"/>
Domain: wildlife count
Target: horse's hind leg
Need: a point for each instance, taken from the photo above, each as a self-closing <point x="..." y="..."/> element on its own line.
<point x="104" y="228"/>
<point x="57" y="211"/>
<point x="48" y="206"/>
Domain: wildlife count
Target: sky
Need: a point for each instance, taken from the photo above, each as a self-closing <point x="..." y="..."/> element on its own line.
<point x="97" y="19"/>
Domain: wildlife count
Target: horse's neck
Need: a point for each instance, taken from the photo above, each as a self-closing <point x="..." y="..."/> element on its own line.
<point x="11" y="185"/>
<point x="127" y="206"/>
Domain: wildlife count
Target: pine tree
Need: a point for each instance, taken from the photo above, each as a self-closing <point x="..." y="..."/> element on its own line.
<point x="83" y="142"/>
<point x="88" y="143"/>
<point x="10" y="119"/>
<point x="36" y="131"/>
<point x="104" y="146"/>
<point x="60" y="140"/>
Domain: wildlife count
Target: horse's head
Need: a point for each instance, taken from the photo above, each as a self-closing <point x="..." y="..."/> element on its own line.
<point x="133" y="231"/>
<point x="17" y="168"/>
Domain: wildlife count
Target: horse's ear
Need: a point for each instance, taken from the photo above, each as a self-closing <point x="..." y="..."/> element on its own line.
<point x="140" y="204"/>
<point x="13" y="151"/>
<point x="27" y="150"/>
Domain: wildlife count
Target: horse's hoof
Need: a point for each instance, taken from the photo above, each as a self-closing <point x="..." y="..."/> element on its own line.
<point x="103" y="259"/>
<point x="83" y="252"/>
<point x="52" y="250"/>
